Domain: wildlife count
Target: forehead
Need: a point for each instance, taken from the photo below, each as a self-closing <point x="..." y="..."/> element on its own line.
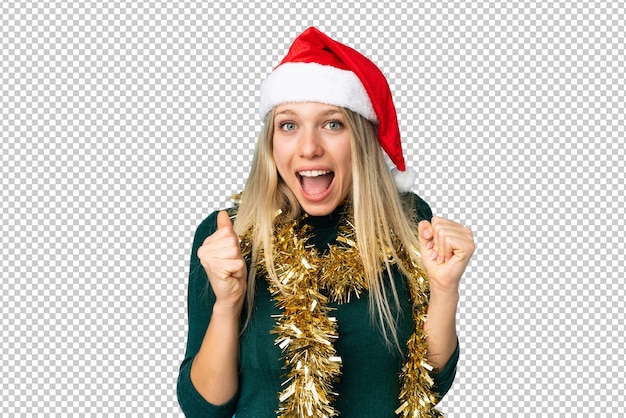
<point x="306" y="108"/>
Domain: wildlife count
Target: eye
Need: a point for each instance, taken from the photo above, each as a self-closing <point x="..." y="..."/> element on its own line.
<point x="334" y="125"/>
<point x="287" y="126"/>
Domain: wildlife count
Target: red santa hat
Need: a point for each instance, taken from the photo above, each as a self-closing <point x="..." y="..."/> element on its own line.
<point x="320" y="69"/>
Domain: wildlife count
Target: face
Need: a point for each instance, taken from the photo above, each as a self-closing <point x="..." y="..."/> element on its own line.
<point x="311" y="148"/>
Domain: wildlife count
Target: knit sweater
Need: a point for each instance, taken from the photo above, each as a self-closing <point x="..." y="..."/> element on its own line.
<point x="369" y="383"/>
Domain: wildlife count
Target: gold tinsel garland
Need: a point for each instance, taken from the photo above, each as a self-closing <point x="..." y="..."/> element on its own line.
<point x="307" y="282"/>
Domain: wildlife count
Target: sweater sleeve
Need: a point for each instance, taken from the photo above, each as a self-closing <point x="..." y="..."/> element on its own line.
<point x="200" y="301"/>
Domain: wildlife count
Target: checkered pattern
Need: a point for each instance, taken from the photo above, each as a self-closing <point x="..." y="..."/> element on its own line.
<point x="123" y="124"/>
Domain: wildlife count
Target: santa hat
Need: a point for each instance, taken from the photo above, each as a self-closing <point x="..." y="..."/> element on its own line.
<point x="320" y="69"/>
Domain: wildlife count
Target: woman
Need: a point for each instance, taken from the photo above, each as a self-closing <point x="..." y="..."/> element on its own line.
<point x="314" y="301"/>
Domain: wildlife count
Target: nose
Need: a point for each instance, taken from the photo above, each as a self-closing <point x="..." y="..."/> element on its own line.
<point x="310" y="144"/>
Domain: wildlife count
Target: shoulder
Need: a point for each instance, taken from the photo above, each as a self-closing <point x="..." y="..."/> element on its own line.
<point x="418" y="206"/>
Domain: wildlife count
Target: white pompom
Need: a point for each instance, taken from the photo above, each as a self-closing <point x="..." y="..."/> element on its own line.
<point x="404" y="179"/>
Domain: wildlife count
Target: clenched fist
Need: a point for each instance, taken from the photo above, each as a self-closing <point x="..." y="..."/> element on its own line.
<point x="446" y="247"/>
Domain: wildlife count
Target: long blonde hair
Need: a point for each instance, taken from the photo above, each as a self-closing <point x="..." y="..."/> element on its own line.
<point x="379" y="213"/>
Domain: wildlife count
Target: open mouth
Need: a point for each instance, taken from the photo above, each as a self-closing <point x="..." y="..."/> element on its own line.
<point x="315" y="182"/>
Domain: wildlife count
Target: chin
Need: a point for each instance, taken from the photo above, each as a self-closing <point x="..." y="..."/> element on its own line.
<point x="318" y="209"/>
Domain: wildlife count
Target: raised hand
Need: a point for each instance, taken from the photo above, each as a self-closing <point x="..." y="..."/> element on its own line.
<point x="446" y="247"/>
<point x="220" y="255"/>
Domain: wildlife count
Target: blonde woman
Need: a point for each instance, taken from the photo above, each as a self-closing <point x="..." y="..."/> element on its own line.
<point x="328" y="288"/>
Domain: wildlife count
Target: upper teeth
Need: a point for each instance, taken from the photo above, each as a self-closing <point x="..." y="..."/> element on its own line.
<point x="313" y="173"/>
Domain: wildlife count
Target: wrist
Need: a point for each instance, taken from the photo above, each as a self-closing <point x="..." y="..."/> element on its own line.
<point x="227" y="309"/>
<point x="444" y="292"/>
<point x="444" y="300"/>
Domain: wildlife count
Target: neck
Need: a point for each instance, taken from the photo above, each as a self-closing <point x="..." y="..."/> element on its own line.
<point x="330" y="220"/>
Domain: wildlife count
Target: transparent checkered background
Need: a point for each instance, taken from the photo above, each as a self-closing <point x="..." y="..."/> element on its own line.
<point x="123" y="124"/>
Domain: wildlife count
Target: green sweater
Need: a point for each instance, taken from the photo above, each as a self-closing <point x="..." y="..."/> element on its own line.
<point x="369" y="383"/>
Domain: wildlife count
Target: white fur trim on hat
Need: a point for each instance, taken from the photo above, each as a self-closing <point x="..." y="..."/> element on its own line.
<point x="404" y="179"/>
<point x="298" y="82"/>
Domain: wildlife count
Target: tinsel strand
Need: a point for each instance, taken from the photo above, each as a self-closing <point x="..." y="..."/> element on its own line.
<point x="305" y="331"/>
<point x="416" y="398"/>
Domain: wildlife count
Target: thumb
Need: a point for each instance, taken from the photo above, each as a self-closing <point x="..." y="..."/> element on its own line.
<point x="425" y="234"/>
<point x="223" y="220"/>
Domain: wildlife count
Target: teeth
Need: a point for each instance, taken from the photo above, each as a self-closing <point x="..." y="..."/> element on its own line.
<point x="312" y="173"/>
